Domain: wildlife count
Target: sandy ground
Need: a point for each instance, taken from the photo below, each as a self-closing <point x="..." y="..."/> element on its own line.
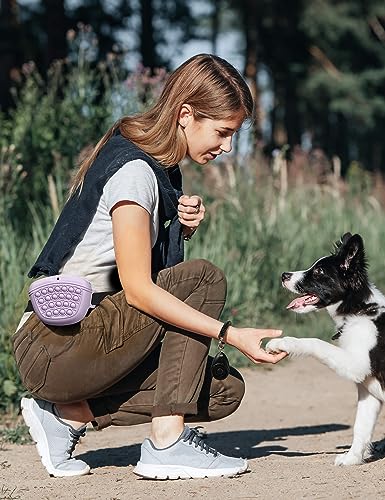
<point x="294" y="418"/>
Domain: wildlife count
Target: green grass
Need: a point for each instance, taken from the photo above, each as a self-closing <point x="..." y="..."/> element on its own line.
<point x="254" y="229"/>
<point x="254" y="235"/>
<point x="15" y="435"/>
<point x="250" y="231"/>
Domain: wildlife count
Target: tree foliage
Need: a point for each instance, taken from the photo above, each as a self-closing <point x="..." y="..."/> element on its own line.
<point x="324" y="59"/>
<point x="346" y="79"/>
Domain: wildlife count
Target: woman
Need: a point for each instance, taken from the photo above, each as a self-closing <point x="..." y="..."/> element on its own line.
<point x="141" y="355"/>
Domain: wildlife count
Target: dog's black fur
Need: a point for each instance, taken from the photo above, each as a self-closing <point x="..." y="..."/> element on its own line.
<point x="339" y="282"/>
<point x="339" y="277"/>
<point x="342" y="277"/>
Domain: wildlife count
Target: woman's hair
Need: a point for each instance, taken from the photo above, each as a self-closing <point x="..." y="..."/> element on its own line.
<point x="210" y="85"/>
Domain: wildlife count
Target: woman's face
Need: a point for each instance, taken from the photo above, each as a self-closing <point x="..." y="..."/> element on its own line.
<point x="206" y="138"/>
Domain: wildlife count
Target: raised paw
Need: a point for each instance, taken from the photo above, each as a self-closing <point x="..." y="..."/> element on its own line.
<point x="286" y="344"/>
<point x="348" y="459"/>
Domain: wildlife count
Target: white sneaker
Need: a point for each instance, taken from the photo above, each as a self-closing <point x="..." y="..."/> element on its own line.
<point x="55" y="440"/>
<point x="188" y="457"/>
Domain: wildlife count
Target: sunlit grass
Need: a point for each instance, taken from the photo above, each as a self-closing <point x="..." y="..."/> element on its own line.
<point x="254" y="236"/>
<point x="251" y="231"/>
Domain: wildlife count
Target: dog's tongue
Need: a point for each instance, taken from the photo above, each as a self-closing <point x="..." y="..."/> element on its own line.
<point x="303" y="301"/>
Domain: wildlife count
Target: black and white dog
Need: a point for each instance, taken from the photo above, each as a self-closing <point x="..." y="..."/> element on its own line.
<point x="339" y="283"/>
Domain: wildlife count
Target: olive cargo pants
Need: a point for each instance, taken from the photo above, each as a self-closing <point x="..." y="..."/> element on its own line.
<point x="129" y="366"/>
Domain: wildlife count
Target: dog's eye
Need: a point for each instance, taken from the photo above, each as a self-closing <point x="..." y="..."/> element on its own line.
<point x="318" y="271"/>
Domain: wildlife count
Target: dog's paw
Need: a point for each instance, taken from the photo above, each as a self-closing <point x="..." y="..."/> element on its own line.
<point x="286" y="344"/>
<point x="348" y="459"/>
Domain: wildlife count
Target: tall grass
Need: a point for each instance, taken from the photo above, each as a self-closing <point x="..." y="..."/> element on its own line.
<point x="254" y="235"/>
<point x="249" y="232"/>
<point x="257" y="226"/>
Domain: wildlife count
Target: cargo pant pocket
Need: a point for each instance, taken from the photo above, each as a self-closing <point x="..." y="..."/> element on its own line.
<point x="120" y="321"/>
<point x="112" y="324"/>
<point x="22" y="339"/>
<point x="33" y="367"/>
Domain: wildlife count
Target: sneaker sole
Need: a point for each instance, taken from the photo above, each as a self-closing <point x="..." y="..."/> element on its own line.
<point x="149" y="471"/>
<point x="38" y="435"/>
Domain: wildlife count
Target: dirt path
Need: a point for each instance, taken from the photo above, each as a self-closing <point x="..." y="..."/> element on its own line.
<point x="295" y="417"/>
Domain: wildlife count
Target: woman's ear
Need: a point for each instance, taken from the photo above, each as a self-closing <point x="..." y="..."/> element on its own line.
<point x="185" y="115"/>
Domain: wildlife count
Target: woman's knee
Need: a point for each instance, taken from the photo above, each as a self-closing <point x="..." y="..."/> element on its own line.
<point x="228" y="397"/>
<point x="211" y="275"/>
<point x="209" y="271"/>
<point x="192" y="275"/>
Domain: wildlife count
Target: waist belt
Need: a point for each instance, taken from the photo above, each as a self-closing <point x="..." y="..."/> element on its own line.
<point x="96" y="298"/>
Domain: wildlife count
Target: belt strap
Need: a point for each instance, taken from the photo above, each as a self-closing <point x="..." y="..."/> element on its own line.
<point x="96" y="298"/>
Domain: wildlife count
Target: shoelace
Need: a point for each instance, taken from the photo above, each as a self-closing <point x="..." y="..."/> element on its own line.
<point x="75" y="435"/>
<point x="197" y="438"/>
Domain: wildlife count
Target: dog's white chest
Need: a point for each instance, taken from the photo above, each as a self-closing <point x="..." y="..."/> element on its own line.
<point x="358" y="335"/>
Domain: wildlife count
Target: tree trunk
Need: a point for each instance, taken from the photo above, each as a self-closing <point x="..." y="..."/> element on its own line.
<point x="249" y="17"/>
<point x="10" y="53"/>
<point x="55" y="25"/>
<point x="292" y="115"/>
<point x="341" y="141"/>
<point x="215" y="24"/>
<point x="147" y="43"/>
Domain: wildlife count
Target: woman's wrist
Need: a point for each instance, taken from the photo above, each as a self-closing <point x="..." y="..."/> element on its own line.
<point x="231" y="336"/>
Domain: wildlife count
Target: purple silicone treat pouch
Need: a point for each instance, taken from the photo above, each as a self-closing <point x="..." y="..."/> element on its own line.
<point x="61" y="299"/>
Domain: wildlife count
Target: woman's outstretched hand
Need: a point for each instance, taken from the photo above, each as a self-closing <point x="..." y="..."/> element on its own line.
<point x="249" y="340"/>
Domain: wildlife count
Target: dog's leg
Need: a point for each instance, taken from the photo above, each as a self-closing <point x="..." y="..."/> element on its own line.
<point x="352" y="367"/>
<point x="368" y="408"/>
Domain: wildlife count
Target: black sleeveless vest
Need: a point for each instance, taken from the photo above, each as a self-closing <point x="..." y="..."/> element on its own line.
<point x="79" y="210"/>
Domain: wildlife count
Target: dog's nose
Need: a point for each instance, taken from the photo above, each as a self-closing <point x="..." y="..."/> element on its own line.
<point x="286" y="277"/>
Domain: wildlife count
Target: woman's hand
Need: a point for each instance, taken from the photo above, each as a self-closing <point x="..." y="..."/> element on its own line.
<point x="191" y="212"/>
<point x="248" y="341"/>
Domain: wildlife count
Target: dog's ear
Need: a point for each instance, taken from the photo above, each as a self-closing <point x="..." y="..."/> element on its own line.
<point x="344" y="239"/>
<point x="351" y="251"/>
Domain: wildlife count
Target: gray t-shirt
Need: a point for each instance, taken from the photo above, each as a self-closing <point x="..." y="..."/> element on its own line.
<point x="94" y="256"/>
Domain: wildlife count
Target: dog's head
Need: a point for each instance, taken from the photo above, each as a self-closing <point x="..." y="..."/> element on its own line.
<point x="339" y="277"/>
